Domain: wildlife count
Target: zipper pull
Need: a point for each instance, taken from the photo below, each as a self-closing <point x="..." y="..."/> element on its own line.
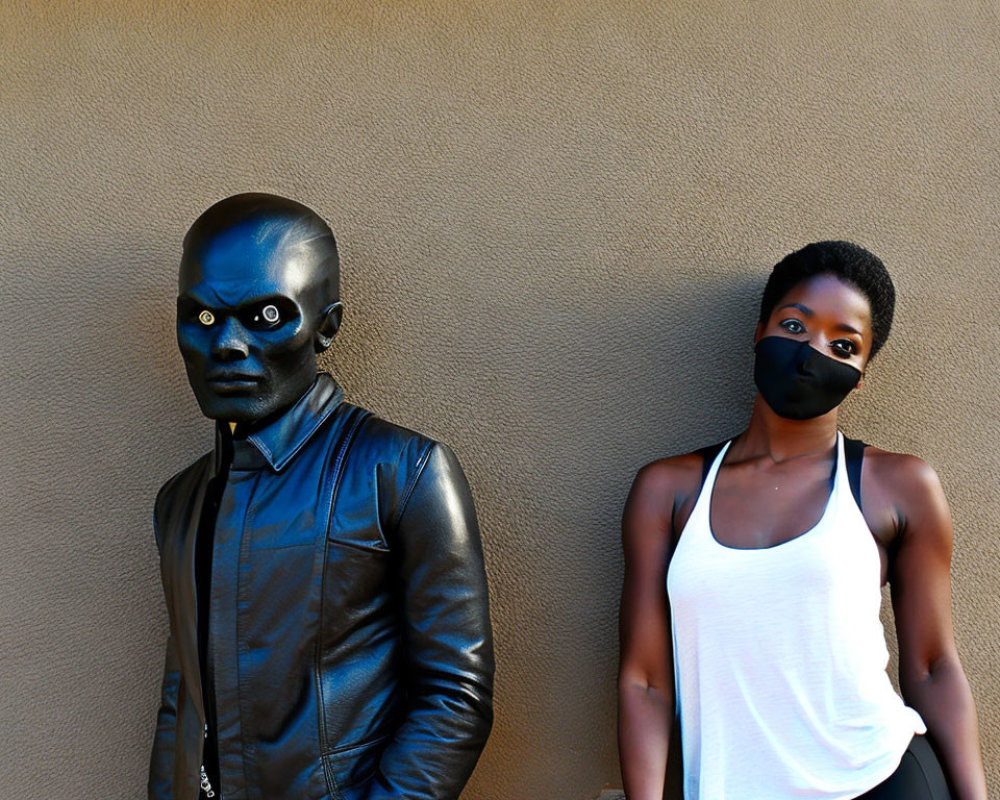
<point x="206" y="784"/>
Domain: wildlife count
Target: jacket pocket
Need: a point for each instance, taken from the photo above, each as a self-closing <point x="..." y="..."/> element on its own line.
<point x="353" y="766"/>
<point x="365" y="545"/>
<point x="355" y="573"/>
<point x="355" y="516"/>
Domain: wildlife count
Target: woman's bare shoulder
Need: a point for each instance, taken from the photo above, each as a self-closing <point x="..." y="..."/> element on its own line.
<point x="902" y="493"/>
<point x="663" y="485"/>
<point x="899" y="471"/>
<point x="664" y="471"/>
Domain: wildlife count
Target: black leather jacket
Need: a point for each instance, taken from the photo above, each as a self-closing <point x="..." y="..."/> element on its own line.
<point x="349" y="637"/>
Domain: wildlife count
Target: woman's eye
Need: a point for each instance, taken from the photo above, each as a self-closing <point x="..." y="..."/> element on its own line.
<point x="793" y="326"/>
<point x="844" y="347"/>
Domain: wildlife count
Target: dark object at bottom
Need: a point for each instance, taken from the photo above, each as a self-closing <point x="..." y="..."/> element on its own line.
<point x="918" y="777"/>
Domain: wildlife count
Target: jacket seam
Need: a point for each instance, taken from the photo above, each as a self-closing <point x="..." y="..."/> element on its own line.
<point x="156" y="529"/>
<point x="341" y="448"/>
<point x="158" y="503"/>
<point x="345" y="748"/>
<point x="243" y="652"/>
<point x="411" y="483"/>
<point x="363" y="547"/>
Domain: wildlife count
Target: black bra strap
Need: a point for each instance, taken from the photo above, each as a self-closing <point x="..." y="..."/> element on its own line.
<point x="854" y="452"/>
<point x="708" y="455"/>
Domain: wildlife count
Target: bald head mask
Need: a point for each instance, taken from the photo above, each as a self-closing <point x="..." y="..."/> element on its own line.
<point x="257" y="300"/>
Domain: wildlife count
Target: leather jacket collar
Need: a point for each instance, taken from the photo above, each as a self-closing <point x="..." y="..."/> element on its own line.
<point x="276" y="443"/>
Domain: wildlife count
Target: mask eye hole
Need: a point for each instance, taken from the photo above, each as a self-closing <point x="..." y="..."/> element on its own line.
<point x="206" y="317"/>
<point x="263" y="317"/>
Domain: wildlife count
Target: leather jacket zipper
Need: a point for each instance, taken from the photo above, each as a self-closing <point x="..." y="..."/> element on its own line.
<point x="206" y="784"/>
<point x="216" y="489"/>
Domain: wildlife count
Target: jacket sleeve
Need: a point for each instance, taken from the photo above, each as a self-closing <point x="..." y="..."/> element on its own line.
<point x="161" y="761"/>
<point x="447" y="639"/>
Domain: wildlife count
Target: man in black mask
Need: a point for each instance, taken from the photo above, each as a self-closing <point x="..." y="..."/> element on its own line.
<point x="329" y="629"/>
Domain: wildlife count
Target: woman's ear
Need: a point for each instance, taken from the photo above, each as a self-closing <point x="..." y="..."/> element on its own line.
<point x="758" y="333"/>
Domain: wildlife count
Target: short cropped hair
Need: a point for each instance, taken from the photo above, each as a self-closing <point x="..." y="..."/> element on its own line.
<point x="849" y="263"/>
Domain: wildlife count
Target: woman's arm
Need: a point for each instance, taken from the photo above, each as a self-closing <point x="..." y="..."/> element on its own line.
<point x="645" y="677"/>
<point x="930" y="673"/>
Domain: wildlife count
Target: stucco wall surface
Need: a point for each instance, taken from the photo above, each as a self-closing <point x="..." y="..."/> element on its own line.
<point x="556" y="219"/>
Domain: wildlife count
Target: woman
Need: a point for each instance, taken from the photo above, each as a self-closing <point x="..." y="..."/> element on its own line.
<point x="753" y="573"/>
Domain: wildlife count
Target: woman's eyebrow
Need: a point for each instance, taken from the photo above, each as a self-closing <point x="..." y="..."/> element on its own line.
<point x="809" y="312"/>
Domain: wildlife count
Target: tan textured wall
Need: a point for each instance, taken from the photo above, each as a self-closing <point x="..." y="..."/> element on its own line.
<point x="555" y="217"/>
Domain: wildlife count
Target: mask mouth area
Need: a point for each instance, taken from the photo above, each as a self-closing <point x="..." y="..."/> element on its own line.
<point x="233" y="387"/>
<point x="799" y="382"/>
<point x="231" y="375"/>
<point x="232" y="381"/>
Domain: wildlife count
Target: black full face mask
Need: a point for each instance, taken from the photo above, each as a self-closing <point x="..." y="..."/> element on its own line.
<point x="799" y="382"/>
<point x="257" y="302"/>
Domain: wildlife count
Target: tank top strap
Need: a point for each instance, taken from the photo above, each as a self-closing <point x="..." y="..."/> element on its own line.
<point x="701" y="505"/>
<point x="840" y="476"/>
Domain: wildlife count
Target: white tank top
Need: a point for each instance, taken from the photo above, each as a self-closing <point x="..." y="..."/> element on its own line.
<point x="780" y="659"/>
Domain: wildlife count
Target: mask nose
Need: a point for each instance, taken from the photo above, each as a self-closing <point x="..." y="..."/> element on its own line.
<point x="807" y="360"/>
<point x="228" y="344"/>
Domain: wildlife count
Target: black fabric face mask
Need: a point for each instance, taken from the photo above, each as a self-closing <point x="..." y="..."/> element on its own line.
<point x="798" y="382"/>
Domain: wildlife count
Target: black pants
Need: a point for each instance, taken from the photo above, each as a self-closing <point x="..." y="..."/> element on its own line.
<point x="918" y="777"/>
